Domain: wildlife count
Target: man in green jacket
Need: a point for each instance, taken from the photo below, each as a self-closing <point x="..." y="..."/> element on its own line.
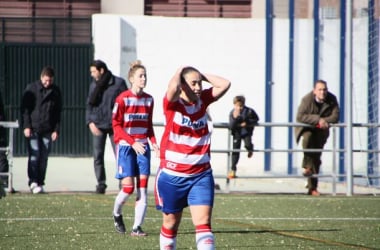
<point x="319" y="109"/>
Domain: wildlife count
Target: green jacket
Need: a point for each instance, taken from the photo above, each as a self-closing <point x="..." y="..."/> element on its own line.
<point x="309" y="113"/>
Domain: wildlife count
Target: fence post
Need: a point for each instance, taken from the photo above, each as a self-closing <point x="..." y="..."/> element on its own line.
<point x="334" y="161"/>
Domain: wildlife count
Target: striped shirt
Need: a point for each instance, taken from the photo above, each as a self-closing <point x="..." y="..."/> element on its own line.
<point x="132" y="118"/>
<point x="185" y="144"/>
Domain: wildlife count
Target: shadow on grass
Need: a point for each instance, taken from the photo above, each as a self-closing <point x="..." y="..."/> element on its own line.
<point x="260" y="231"/>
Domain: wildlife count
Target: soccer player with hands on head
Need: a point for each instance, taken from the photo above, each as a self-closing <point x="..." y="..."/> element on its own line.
<point x="185" y="175"/>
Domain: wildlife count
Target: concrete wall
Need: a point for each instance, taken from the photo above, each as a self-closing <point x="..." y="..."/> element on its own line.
<point x="235" y="49"/>
<point x="124" y="7"/>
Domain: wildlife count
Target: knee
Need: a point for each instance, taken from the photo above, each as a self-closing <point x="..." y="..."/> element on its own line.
<point x="128" y="189"/>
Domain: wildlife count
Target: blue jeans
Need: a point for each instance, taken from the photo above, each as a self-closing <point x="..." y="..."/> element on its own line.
<point x="39" y="146"/>
<point x="99" y="144"/>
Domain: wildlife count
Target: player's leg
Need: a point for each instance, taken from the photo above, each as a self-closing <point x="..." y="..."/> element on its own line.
<point x="143" y="162"/>
<point x="171" y="198"/>
<point x="169" y="229"/>
<point x="126" y="170"/>
<point x="201" y="200"/>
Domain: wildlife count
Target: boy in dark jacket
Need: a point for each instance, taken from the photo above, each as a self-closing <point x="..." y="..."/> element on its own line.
<point x="242" y="121"/>
<point x="41" y="117"/>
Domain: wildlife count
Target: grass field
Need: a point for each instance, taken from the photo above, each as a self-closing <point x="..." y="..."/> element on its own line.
<point x="240" y="221"/>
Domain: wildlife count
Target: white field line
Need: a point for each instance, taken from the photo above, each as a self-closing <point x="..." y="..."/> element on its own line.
<point x="216" y="218"/>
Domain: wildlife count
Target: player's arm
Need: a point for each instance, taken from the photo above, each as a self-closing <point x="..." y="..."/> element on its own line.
<point x="174" y="87"/>
<point x="220" y="85"/>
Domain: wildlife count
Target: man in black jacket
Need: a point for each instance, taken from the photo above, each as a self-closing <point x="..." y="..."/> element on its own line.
<point x="242" y="121"/>
<point x="40" y="118"/>
<point x="4" y="166"/>
<point x="103" y="91"/>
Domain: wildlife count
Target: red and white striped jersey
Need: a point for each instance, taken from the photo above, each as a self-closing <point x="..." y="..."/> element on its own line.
<point x="185" y="144"/>
<point x="132" y="117"/>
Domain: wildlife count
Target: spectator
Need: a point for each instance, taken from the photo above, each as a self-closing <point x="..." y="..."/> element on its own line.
<point x="41" y="117"/>
<point x="4" y="166"/>
<point x="133" y="126"/>
<point x="103" y="91"/>
<point x="185" y="175"/>
<point x="318" y="108"/>
<point x="242" y="121"/>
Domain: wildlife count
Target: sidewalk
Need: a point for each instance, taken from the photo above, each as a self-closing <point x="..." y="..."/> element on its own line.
<point x="72" y="174"/>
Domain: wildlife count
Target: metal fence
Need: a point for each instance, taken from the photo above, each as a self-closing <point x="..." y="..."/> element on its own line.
<point x="26" y="46"/>
<point x="338" y="175"/>
<point x="335" y="175"/>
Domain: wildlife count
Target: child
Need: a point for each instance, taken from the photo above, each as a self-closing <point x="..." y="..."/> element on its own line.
<point x="242" y="122"/>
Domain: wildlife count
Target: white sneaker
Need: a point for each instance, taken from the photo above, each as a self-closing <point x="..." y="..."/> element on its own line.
<point x="37" y="190"/>
<point x="32" y="186"/>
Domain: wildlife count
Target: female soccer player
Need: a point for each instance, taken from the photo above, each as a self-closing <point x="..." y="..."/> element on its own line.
<point x="185" y="175"/>
<point x="132" y="125"/>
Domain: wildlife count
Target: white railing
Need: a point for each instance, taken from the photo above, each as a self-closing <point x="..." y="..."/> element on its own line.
<point x="228" y="152"/>
<point x="334" y="151"/>
<point x="9" y="151"/>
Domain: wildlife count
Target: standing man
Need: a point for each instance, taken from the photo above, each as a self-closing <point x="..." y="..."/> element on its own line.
<point x="242" y="121"/>
<point x="319" y="108"/>
<point x="4" y="166"/>
<point x="103" y="91"/>
<point x="40" y="118"/>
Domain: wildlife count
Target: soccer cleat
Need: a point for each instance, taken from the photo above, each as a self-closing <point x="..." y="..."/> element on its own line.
<point x="138" y="232"/>
<point x="119" y="224"/>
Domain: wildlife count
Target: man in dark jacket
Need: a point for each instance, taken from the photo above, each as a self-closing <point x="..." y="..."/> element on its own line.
<point x="242" y="121"/>
<point x="4" y="166"/>
<point x="319" y="108"/>
<point x="103" y="91"/>
<point x="40" y="118"/>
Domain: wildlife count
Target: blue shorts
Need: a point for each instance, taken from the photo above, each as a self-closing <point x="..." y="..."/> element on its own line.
<point x="174" y="193"/>
<point x="129" y="164"/>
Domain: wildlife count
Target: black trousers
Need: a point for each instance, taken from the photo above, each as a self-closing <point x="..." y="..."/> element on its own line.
<point x="236" y="144"/>
<point x="99" y="144"/>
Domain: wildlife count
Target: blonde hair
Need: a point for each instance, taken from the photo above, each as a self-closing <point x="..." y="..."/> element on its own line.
<point x="134" y="66"/>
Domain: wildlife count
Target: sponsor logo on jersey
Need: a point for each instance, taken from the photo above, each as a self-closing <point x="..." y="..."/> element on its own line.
<point x="138" y="116"/>
<point x="171" y="165"/>
<point x="194" y="124"/>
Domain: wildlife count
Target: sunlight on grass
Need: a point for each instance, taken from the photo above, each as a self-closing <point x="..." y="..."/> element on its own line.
<point x="84" y="221"/>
